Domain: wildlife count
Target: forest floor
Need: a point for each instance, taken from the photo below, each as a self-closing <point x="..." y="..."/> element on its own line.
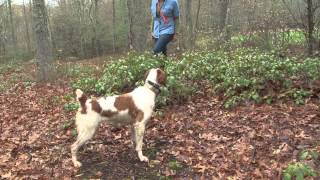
<point x="196" y="140"/>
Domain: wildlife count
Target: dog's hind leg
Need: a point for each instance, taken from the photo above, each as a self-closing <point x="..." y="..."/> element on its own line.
<point x="84" y="134"/>
<point x="139" y="129"/>
<point x="133" y="135"/>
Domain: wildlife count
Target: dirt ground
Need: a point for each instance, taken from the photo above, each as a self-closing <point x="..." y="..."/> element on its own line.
<point x="197" y="140"/>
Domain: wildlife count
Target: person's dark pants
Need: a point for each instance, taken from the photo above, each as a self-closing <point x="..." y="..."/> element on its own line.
<point x="161" y="43"/>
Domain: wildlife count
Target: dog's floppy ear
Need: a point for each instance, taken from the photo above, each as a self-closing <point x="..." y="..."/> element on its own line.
<point x="161" y="77"/>
<point x="146" y="74"/>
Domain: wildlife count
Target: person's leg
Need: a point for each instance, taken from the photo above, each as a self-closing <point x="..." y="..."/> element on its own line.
<point x="161" y="44"/>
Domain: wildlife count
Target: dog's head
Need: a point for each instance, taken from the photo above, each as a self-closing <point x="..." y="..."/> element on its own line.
<point x="157" y="76"/>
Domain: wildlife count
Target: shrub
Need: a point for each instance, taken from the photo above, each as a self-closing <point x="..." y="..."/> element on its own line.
<point x="241" y="75"/>
<point x="298" y="171"/>
<point x="126" y="73"/>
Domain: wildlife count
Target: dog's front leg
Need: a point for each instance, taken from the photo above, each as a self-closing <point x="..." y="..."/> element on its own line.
<point x="139" y="129"/>
<point x="133" y="135"/>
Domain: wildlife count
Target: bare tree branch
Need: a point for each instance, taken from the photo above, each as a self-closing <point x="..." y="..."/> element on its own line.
<point x="292" y="14"/>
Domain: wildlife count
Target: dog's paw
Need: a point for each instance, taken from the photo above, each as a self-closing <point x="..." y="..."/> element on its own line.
<point x="143" y="159"/>
<point x="77" y="164"/>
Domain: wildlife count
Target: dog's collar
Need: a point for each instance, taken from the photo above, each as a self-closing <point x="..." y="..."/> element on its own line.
<point x="155" y="87"/>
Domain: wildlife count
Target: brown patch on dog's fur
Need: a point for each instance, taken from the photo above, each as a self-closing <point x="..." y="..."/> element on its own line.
<point x="125" y="102"/>
<point x="96" y="106"/>
<point x="108" y="113"/>
<point x="161" y="77"/>
<point x="82" y="101"/>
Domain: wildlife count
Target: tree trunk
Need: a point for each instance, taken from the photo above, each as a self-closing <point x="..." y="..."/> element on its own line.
<point x="228" y="22"/>
<point x="189" y="23"/>
<point x="195" y="28"/>
<point x="211" y="23"/>
<point x="81" y="8"/>
<point x="3" y="25"/>
<point x="223" y="12"/>
<point x="13" y="34"/>
<point x="94" y="20"/>
<point x="44" y="47"/>
<point x="225" y="15"/>
<point x="113" y="26"/>
<point x="130" y="33"/>
<point x="26" y="21"/>
<point x="310" y="39"/>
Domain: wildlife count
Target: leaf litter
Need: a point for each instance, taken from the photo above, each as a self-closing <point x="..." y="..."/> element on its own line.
<point x="252" y="141"/>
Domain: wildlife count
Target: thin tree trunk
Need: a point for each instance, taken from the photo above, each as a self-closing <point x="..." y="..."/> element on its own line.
<point x="83" y="52"/>
<point x="27" y="28"/>
<point x="97" y="42"/>
<point x="13" y="34"/>
<point x="43" y="41"/>
<point x="224" y="4"/>
<point x="3" y="24"/>
<point x="195" y="28"/>
<point x="94" y="20"/>
<point x="130" y="33"/>
<point x="225" y="32"/>
<point x="211" y="24"/>
<point x="189" y="23"/>
<point x="310" y="15"/>
<point x="228" y="22"/>
<point x="113" y="26"/>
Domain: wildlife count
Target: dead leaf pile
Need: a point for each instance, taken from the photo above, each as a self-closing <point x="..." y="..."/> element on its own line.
<point x="205" y="139"/>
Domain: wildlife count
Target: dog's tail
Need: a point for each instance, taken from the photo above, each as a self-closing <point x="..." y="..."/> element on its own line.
<point x="82" y="98"/>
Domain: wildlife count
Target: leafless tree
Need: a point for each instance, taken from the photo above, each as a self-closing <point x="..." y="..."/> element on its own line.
<point x="13" y="34"/>
<point x="44" y="47"/>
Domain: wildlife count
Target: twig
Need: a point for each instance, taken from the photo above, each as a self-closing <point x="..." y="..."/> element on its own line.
<point x="291" y="13"/>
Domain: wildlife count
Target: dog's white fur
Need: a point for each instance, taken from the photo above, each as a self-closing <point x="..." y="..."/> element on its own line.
<point x="87" y="123"/>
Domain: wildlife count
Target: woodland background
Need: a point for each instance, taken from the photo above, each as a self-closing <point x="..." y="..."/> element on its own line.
<point x="90" y="28"/>
<point x="242" y="99"/>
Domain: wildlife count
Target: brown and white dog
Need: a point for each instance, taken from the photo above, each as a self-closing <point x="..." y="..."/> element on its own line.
<point x="134" y="108"/>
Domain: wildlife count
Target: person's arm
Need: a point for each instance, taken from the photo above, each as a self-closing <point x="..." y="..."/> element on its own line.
<point x="152" y="26"/>
<point x="152" y="17"/>
<point x="176" y="14"/>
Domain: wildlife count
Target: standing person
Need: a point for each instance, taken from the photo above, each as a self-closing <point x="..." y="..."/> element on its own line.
<point x="165" y="15"/>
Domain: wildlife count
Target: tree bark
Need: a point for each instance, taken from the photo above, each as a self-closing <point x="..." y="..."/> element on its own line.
<point x="223" y="12"/>
<point x="13" y="34"/>
<point x="130" y="33"/>
<point x="310" y="38"/>
<point x="96" y="49"/>
<point x="195" y="28"/>
<point x="211" y="23"/>
<point x="189" y="23"/>
<point x="26" y="21"/>
<point x="3" y="24"/>
<point x="44" y="56"/>
<point x="113" y="26"/>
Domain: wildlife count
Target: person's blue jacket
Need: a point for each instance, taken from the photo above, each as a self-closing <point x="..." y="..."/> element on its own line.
<point x="164" y="23"/>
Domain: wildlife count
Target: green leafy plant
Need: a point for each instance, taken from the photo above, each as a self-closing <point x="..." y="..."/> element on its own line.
<point x="307" y="155"/>
<point x="86" y="84"/>
<point x="241" y="75"/>
<point x="71" y="107"/>
<point x="300" y="95"/>
<point x="68" y="124"/>
<point x="298" y="171"/>
<point x="74" y="132"/>
<point x="68" y="97"/>
<point x="175" y="165"/>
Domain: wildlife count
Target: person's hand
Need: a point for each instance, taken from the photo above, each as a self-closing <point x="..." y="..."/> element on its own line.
<point x="152" y="36"/>
<point x="174" y="39"/>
